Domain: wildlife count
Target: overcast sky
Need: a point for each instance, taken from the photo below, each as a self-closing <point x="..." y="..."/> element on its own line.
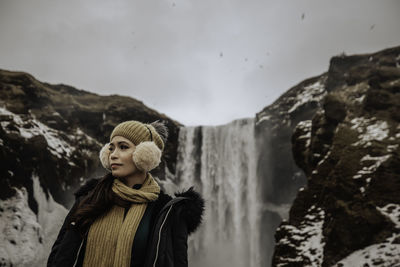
<point x="201" y="62"/>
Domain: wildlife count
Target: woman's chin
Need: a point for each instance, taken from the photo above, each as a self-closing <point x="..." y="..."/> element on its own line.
<point x="116" y="174"/>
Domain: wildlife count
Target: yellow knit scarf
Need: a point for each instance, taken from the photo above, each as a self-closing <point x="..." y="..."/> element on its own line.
<point x="110" y="237"/>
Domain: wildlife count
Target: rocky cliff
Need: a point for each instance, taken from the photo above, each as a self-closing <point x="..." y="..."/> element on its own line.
<point x="348" y="214"/>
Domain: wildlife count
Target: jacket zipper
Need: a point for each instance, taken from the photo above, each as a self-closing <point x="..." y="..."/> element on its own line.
<point x="77" y="254"/>
<point x="159" y="236"/>
<point x="80" y="247"/>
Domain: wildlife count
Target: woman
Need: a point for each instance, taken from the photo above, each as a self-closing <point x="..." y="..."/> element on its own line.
<point x="124" y="219"/>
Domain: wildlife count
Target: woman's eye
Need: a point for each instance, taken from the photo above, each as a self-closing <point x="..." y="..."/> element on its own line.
<point x="110" y="148"/>
<point x="123" y="147"/>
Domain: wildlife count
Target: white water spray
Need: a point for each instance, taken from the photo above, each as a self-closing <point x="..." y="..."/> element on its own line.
<point x="220" y="161"/>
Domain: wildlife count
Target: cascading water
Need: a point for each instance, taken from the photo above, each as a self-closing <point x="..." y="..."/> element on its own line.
<point x="220" y="161"/>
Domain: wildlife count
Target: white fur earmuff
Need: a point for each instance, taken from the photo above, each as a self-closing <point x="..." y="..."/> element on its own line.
<point x="104" y="156"/>
<point x="147" y="156"/>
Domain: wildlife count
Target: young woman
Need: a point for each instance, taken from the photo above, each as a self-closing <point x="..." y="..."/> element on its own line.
<point x="124" y="219"/>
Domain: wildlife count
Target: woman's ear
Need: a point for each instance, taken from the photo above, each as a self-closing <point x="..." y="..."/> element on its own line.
<point x="147" y="156"/>
<point x="105" y="156"/>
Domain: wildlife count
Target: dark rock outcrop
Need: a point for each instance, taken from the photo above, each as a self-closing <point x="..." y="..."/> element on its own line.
<point x="349" y="212"/>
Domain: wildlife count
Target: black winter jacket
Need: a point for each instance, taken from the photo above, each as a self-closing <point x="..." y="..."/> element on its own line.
<point x="172" y="221"/>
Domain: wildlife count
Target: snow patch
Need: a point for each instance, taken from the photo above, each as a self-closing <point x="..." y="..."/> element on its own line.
<point x="26" y="237"/>
<point x="22" y="236"/>
<point x="391" y="148"/>
<point x="384" y="254"/>
<point x="369" y="130"/>
<point x="307" y="240"/>
<point x="392" y="211"/>
<point x="377" y="161"/>
<point x="325" y="158"/>
<point x="305" y="127"/>
<point x="313" y="92"/>
<point x="360" y="99"/>
<point x="50" y="216"/>
<point x="263" y="118"/>
<point x="29" y="128"/>
<point x="82" y="136"/>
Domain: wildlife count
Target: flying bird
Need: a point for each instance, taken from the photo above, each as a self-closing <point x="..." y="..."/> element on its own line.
<point x="372" y="27"/>
<point x="302" y="16"/>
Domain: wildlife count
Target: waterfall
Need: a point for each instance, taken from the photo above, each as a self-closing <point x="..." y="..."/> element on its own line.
<point x="220" y="161"/>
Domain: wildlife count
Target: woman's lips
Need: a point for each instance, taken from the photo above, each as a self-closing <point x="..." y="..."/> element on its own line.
<point x="115" y="165"/>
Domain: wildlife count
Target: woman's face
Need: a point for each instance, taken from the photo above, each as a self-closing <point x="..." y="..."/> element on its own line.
<point x="121" y="161"/>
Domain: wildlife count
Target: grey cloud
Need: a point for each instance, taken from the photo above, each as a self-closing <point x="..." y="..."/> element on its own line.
<point x="167" y="54"/>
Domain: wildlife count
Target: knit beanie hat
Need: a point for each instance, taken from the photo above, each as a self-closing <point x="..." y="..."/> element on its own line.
<point x="149" y="140"/>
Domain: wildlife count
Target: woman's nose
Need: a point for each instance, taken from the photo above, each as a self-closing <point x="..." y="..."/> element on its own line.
<point x="114" y="154"/>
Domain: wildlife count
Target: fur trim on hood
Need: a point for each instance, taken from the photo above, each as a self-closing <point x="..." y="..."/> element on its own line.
<point x="193" y="209"/>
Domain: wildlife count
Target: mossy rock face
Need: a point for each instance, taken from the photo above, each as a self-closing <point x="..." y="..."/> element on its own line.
<point x="56" y="132"/>
<point x="335" y="110"/>
<point x="352" y="163"/>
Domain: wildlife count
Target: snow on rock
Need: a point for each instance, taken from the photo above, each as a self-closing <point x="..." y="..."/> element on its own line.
<point x="392" y="211"/>
<point x="391" y="148"/>
<point x="371" y="168"/>
<point x="386" y="254"/>
<point x="22" y="236"/>
<point x="305" y="127"/>
<point x="80" y="136"/>
<point x="369" y="130"/>
<point x="306" y="240"/>
<point x="263" y="118"/>
<point x="51" y="215"/>
<point x="313" y="92"/>
<point x="26" y="238"/>
<point x="324" y="158"/>
<point x="360" y="99"/>
<point x="29" y="128"/>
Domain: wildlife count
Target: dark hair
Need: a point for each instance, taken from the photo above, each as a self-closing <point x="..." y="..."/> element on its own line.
<point x="98" y="202"/>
